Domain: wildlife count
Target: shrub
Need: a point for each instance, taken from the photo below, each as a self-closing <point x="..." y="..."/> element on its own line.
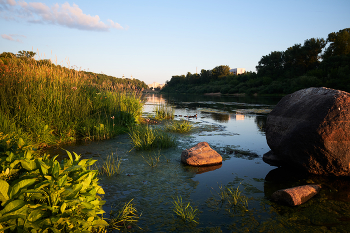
<point x="39" y="194"/>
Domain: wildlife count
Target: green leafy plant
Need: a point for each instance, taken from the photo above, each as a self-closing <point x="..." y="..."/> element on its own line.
<point x="123" y="218"/>
<point x="39" y="194"/>
<point x="185" y="212"/>
<point x="179" y="126"/>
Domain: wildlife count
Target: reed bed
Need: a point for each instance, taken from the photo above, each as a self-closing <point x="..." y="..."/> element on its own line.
<point x="164" y="112"/>
<point x="47" y="104"/>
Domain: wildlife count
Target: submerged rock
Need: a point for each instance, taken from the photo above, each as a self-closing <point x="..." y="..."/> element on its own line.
<point x="297" y="195"/>
<point x="201" y="155"/>
<point x="310" y="129"/>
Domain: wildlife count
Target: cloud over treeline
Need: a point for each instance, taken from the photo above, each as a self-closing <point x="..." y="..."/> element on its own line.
<point x="12" y="37"/>
<point x="64" y="15"/>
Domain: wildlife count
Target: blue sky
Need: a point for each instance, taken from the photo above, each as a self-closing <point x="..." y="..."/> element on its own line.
<point x="155" y="39"/>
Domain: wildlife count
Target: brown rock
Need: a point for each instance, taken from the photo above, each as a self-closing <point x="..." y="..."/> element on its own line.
<point x="297" y="195"/>
<point x="310" y="129"/>
<point x="201" y="155"/>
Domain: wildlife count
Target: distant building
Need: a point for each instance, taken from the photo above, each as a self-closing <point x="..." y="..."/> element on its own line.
<point x="237" y="71"/>
<point x="155" y="85"/>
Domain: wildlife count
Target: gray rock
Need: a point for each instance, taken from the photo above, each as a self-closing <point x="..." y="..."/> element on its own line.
<point x="310" y="130"/>
<point x="201" y="155"/>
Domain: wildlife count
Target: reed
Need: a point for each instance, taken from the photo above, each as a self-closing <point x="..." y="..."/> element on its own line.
<point x="164" y="112"/>
<point x="124" y="217"/>
<point x="145" y="137"/>
<point x="179" y="126"/>
<point x="111" y="166"/>
<point x="152" y="160"/>
<point x="234" y="197"/>
<point x="47" y="103"/>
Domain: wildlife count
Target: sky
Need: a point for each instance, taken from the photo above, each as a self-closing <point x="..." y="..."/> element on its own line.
<point x="152" y="40"/>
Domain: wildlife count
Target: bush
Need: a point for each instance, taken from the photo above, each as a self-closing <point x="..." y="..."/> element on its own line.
<point x="39" y="194"/>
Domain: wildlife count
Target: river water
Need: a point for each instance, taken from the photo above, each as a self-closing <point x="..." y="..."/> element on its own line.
<point x="234" y="127"/>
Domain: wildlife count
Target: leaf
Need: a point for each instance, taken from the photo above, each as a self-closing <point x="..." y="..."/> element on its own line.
<point x="7" y="217"/>
<point x="73" y="168"/>
<point x="43" y="167"/>
<point x="4" y="188"/>
<point x="55" y="169"/>
<point x="100" y="223"/>
<point x="20" y="143"/>
<point x="29" y="165"/>
<point x="100" y="190"/>
<point x="63" y="207"/>
<point x="12" y="206"/>
<point x="62" y="181"/>
<point x="20" y="185"/>
<point x="36" y="214"/>
<point x="42" y="184"/>
<point x="70" y="156"/>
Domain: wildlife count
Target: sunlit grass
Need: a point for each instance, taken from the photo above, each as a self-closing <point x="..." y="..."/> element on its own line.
<point x="152" y="160"/>
<point x="48" y="104"/>
<point x="123" y="218"/>
<point x="234" y="197"/>
<point x="179" y="126"/>
<point x="110" y="166"/>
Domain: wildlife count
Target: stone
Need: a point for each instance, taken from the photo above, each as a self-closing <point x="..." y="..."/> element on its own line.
<point x="201" y="155"/>
<point x="310" y="129"/>
<point x="297" y="195"/>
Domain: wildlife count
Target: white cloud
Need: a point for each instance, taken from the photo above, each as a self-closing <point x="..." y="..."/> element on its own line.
<point x="10" y="37"/>
<point x="64" y="15"/>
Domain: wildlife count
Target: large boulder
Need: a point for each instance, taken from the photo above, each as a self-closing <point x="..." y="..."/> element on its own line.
<point x="310" y="129"/>
<point x="201" y="155"/>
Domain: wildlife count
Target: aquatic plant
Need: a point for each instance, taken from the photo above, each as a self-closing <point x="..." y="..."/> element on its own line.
<point x="234" y="197"/>
<point x="185" y="212"/>
<point x="152" y="160"/>
<point x="164" y="112"/>
<point x="145" y="137"/>
<point x="110" y="166"/>
<point x="179" y="126"/>
<point x="125" y="217"/>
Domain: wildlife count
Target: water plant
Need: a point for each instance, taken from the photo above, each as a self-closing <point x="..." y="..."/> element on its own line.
<point x="234" y="197"/>
<point x="110" y="166"/>
<point x="152" y="160"/>
<point x="125" y="217"/>
<point x="145" y="137"/>
<point x="184" y="211"/>
<point x="179" y="126"/>
<point x="164" y="112"/>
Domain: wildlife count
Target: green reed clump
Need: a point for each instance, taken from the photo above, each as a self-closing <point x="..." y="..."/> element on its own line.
<point x="164" y="112"/>
<point x="185" y="212"/>
<point x="145" y="137"/>
<point x="47" y="103"/>
<point x="234" y="197"/>
<point x="179" y="126"/>
<point x="152" y="160"/>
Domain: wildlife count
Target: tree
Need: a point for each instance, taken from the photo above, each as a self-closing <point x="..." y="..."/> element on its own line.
<point x="271" y="65"/>
<point x="339" y="43"/>
<point x="221" y="71"/>
<point x="25" y="54"/>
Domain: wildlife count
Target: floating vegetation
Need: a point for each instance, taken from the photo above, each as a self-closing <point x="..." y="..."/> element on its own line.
<point x="237" y="153"/>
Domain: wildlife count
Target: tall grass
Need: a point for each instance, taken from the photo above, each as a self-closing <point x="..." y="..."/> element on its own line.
<point x="185" y="212"/>
<point x="47" y="103"/>
<point x="145" y="137"/>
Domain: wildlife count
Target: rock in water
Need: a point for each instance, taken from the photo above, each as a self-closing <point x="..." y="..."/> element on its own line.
<point x="297" y="195"/>
<point x="310" y="129"/>
<point x="201" y="155"/>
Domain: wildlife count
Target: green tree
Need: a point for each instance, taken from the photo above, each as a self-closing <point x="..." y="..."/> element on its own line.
<point x="26" y="54"/>
<point x="220" y="71"/>
<point x="339" y="43"/>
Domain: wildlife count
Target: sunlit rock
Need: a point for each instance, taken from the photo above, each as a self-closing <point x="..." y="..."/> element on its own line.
<point x="201" y="155"/>
<point x="310" y="129"/>
<point x="297" y="195"/>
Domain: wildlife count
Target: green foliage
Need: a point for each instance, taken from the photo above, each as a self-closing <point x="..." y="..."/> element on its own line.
<point x="39" y="194"/>
<point x="145" y="137"/>
<point x="179" y="126"/>
<point x="164" y="112"/>
<point x="316" y="62"/>
<point x="48" y="104"/>
<point x="185" y="212"/>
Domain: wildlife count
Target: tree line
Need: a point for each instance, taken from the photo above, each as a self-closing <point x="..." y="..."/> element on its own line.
<point x="316" y="62"/>
<point x="98" y="79"/>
